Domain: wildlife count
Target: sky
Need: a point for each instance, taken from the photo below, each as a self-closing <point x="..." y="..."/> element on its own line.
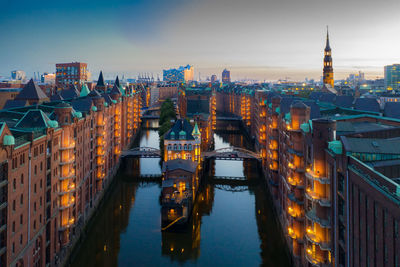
<point x="255" y="39"/>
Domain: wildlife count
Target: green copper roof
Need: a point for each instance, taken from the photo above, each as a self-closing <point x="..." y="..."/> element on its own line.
<point x="305" y="127"/>
<point x="94" y="108"/>
<point x="288" y="117"/>
<point x="77" y="114"/>
<point x="105" y="104"/>
<point x="8" y="140"/>
<point x="122" y="89"/>
<point x="114" y="101"/>
<point x="336" y="147"/>
<point x="277" y="110"/>
<point x="54" y="124"/>
<point x="196" y="130"/>
<point x="84" y="91"/>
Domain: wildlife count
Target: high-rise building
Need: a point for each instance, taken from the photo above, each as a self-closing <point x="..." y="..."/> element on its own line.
<point x="213" y="78"/>
<point x="71" y="73"/>
<point x="328" y="68"/>
<point x="181" y="74"/>
<point x="226" y="76"/>
<point x="18" y="75"/>
<point x="392" y="77"/>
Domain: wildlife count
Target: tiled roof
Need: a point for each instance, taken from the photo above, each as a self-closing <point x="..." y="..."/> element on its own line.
<point x="31" y="92"/>
<point x="327" y="97"/>
<point x="344" y="101"/>
<point x="82" y="104"/>
<point x="392" y="109"/>
<point x="56" y="97"/>
<point x="180" y="125"/>
<point x="367" y="104"/>
<point x="33" y="119"/>
<point x="15" y="104"/>
<point x="115" y="90"/>
<point x="70" y="93"/>
<point x="100" y="81"/>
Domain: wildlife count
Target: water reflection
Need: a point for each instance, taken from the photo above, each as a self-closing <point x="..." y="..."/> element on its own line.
<point x="228" y="227"/>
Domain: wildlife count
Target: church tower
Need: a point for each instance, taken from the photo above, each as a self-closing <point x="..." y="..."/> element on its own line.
<point x="328" y="68"/>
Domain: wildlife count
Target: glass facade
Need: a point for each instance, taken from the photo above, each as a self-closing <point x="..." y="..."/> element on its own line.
<point x="392" y="77"/>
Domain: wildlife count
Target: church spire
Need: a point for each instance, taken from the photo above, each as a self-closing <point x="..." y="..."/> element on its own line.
<point x="327" y="47"/>
<point x="328" y="67"/>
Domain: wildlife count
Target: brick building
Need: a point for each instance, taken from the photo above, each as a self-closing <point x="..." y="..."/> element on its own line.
<point x="71" y="73"/>
<point x="57" y="158"/>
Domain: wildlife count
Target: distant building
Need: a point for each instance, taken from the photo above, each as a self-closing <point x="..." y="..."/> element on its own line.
<point x="181" y="74"/>
<point x="18" y="75"/>
<point x="226" y="76"/>
<point x="48" y="78"/>
<point x="71" y="73"/>
<point x="392" y="77"/>
<point x="213" y="78"/>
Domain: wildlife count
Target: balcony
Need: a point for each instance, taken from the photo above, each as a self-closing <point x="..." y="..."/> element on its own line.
<point x="296" y="215"/>
<point x="71" y="160"/>
<point x="70" y="189"/>
<point x="312" y="216"/>
<point x="313" y="238"/>
<point x="69" y="224"/>
<point x="295" y="168"/>
<point x="315" y="177"/>
<point x="67" y="205"/>
<point x="295" y="183"/>
<point x="314" y="196"/>
<point x="70" y="175"/>
<point x="68" y="146"/>
<point x="316" y="260"/>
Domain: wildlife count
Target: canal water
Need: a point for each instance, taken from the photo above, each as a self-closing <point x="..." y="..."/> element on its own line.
<point x="231" y="225"/>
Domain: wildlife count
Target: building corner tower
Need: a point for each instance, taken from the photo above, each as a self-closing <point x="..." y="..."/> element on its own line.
<point x="328" y="68"/>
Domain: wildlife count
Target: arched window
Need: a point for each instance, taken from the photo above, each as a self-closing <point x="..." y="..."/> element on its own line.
<point x="185" y="147"/>
<point x="175" y="147"/>
<point x="180" y="147"/>
<point x="169" y="147"/>
<point x="190" y="147"/>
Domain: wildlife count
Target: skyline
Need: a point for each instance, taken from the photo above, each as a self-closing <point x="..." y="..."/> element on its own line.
<point x="263" y="40"/>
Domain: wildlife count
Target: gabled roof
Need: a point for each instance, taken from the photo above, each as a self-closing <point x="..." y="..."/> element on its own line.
<point x="180" y="125"/>
<point x="94" y="94"/>
<point x="15" y="104"/>
<point x="100" y="81"/>
<point x="367" y="104"/>
<point x="56" y="97"/>
<point x="33" y="119"/>
<point x="70" y="93"/>
<point x="286" y="102"/>
<point x="392" y="109"/>
<point x="115" y="90"/>
<point x="327" y="97"/>
<point x="31" y="92"/>
<point x="344" y="101"/>
<point x="315" y="111"/>
<point x="82" y="104"/>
